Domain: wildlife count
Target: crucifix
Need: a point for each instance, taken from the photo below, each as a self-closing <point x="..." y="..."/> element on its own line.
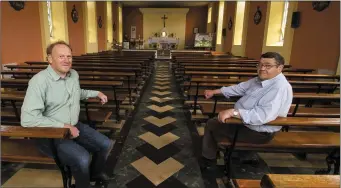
<point x="164" y="20"/>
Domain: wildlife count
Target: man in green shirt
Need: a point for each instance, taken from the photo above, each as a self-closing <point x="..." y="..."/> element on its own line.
<point x="53" y="100"/>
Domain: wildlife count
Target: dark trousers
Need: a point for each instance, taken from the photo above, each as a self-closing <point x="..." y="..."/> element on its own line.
<point x="75" y="153"/>
<point x="216" y="131"/>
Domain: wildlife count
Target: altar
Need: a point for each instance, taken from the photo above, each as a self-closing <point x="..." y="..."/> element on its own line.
<point x="167" y="40"/>
<point x="163" y="43"/>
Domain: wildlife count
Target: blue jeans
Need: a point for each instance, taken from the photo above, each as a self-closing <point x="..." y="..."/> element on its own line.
<point x="75" y="153"/>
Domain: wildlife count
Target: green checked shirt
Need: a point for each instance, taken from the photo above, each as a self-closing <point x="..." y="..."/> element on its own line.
<point x="52" y="101"/>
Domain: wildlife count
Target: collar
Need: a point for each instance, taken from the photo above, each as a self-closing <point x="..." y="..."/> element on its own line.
<point x="270" y="81"/>
<point x="56" y="76"/>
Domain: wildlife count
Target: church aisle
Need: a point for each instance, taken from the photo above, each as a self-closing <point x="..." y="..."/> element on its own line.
<point x="158" y="151"/>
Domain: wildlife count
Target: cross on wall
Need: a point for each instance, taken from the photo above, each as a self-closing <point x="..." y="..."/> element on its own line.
<point x="164" y="20"/>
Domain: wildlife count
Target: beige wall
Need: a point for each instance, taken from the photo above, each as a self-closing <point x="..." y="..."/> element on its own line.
<point x="176" y="22"/>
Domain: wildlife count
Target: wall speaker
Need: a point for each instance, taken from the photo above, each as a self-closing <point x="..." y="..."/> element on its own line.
<point x="296" y="19"/>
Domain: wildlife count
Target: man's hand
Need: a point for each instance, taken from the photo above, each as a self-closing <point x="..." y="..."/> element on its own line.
<point x="225" y="114"/>
<point x="209" y="94"/>
<point x="73" y="130"/>
<point x="104" y="98"/>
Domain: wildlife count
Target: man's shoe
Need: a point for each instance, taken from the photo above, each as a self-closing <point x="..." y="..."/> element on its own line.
<point x="207" y="164"/>
<point x="251" y="159"/>
<point x="102" y="177"/>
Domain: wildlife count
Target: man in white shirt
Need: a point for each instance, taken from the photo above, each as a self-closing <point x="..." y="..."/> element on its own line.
<point x="264" y="98"/>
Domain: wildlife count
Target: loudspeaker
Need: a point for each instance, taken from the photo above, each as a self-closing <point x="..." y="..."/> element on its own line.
<point x="296" y="18"/>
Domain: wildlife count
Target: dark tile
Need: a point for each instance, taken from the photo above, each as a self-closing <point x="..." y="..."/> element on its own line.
<point x="172" y="183"/>
<point x="143" y="182"/>
<point x="163" y="103"/>
<point x="139" y="182"/>
<point x="161" y="115"/>
<point x="159" y="131"/>
<point x="158" y="155"/>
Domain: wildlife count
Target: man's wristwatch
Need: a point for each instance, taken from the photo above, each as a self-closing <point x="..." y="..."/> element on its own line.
<point x="235" y="113"/>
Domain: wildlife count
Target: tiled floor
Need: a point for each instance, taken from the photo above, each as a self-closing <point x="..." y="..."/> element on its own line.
<point x="35" y="178"/>
<point x="158" y="150"/>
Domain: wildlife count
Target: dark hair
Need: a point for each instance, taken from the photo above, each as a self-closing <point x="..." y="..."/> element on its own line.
<point x="279" y="59"/>
<point x="52" y="45"/>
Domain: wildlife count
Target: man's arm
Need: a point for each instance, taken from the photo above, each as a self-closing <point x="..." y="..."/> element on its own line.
<point x="236" y="90"/>
<point x="267" y="109"/>
<point x="33" y="107"/>
<point x="88" y="94"/>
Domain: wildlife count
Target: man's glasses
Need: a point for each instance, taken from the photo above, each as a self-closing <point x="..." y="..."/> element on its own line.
<point x="267" y="66"/>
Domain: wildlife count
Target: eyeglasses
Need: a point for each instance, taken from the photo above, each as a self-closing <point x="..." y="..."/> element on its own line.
<point x="267" y="66"/>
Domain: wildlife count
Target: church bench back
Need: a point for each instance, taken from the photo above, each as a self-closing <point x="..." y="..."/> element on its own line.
<point x="300" y="181"/>
<point x="253" y="74"/>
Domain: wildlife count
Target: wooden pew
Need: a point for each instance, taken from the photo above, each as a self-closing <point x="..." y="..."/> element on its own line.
<point x="207" y="81"/>
<point x="217" y="64"/>
<point x="300" y="181"/>
<point x="80" y="68"/>
<point x="12" y="113"/>
<point x="254" y="74"/>
<point x="246" y="183"/>
<point x="298" y="98"/>
<point x="213" y="58"/>
<point x="25" y="150"/>
<point x="290" y="180"/>
<point x="99" y="64"/>
<point x="297" y="85"/>
<point x="179" y="63"/>
<point x="315" y="142"/>
<point x="239" y="69"/>
<point x="85" y="75"/>
<point x="13" y="97"/>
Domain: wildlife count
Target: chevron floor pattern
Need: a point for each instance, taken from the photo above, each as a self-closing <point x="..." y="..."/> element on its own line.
<point x="158" y="150"/>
